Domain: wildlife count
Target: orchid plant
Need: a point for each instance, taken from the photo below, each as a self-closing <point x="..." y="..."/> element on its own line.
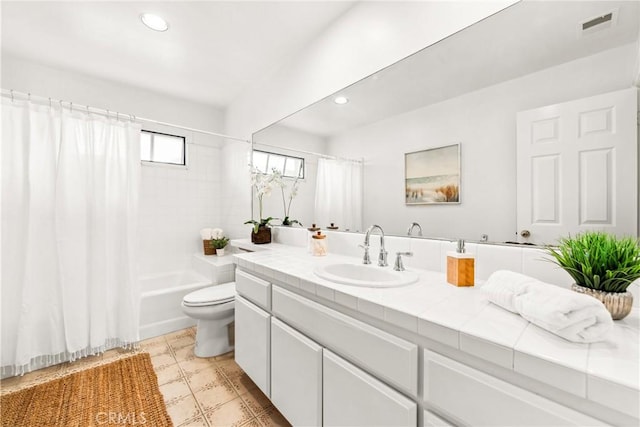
<point x="287" y="206"/>
<point x="263" y="185"/>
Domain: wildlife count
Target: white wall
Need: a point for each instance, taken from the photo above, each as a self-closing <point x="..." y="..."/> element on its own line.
<point x="368" y="37"/>
<point x="484" y="123"/>
<point x="175" y="203"/>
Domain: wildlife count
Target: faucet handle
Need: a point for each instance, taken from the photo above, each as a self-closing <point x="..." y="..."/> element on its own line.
<point x="365" y="259"/>
<point x="398" y="266"/>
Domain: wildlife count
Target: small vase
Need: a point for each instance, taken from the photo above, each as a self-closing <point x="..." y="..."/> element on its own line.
<point x="220" y="252"/>
<point x="262" y="236"/>
<point x="208" y="248"/>
<point x="619" y="304"/>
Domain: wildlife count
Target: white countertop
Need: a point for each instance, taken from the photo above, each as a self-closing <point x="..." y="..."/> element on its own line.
<point x="607" y="372"/>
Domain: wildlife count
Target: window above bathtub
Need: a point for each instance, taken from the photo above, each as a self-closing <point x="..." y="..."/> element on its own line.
<point x="157" y="147"/>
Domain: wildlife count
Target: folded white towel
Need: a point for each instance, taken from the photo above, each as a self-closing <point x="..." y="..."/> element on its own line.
<point x="205" y="234"/>
<point x="573" y="316"/>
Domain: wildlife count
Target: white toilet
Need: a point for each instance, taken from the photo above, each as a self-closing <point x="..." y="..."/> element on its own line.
<point x="212" y="307"/>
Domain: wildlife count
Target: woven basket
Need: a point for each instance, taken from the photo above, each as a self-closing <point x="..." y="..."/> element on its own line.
<point x="208" y="247"/>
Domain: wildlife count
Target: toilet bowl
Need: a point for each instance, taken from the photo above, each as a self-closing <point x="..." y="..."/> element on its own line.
<point x="213" y="308"/>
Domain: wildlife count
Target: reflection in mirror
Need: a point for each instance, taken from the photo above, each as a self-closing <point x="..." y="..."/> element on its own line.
<point x="329" y="192"/>
<point x="469" y="89"/>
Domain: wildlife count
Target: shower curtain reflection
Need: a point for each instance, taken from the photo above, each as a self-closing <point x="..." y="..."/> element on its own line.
<point x="69" y="212"/>
<point x="339" y="193"/>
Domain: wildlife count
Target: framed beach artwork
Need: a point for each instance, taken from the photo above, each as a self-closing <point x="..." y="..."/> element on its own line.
<point x="432" y="176"/>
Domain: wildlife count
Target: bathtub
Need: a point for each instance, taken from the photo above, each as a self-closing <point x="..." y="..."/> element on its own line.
<point x="160" y="299"/>
<point x="161" y="295"/>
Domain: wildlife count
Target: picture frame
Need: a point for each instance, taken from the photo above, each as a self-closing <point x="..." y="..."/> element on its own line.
<point x="432" y="176"/>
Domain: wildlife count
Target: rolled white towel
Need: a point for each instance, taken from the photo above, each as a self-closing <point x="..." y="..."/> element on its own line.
<point x="573" y="316"/>
<point x="205" y="233"/>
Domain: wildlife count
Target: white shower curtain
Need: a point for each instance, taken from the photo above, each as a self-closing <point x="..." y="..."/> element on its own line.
<point x="69" y="222"/>
<point x="339" y="193"/>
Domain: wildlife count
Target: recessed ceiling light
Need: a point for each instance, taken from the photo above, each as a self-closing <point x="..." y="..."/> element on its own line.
<point x="154" y="22"/>
<point x="341" y="100"/>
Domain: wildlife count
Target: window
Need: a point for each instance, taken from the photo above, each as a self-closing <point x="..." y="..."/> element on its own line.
<point x="162" y="148"/>
<point x="290" y="167"/>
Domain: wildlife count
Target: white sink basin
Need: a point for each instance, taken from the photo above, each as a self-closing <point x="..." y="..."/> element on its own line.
<point x="370" y="276"/>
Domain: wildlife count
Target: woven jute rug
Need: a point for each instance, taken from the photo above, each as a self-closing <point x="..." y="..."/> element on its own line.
<point x="122" y="393"/>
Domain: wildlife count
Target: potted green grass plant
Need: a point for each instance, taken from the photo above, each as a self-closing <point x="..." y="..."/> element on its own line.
<point x="602" y="266"/>
<point x="219" y="244"/>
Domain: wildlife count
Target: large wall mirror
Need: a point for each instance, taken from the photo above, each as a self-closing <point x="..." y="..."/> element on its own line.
<point x="464" y="91"/>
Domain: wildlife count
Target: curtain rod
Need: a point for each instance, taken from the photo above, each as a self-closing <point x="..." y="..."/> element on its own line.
<point x="326" y="156"/>
<point x="10" y="93"/>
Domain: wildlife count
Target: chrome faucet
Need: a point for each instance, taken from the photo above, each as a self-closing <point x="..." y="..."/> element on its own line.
<point x="382" y="257"/>
<point x="412" y="226"/>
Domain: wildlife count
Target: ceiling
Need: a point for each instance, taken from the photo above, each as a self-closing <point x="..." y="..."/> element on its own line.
<point x="527" y="37"/>
<point x="212" y="51"/>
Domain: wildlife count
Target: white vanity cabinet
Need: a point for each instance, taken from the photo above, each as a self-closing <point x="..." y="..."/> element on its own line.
<point x="429" y="419"/>
<point x="296" y="375"/>
<point x="351" y="397"/>
<point x="472" y="397"/>
<point x="253" y="329"/>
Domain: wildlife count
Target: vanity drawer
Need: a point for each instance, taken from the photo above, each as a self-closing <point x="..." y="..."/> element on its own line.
<point x="390" y="358"/>
<point x="351" y="397"/>
<point x="254" y="289"/>
<point x="472" y="397"/>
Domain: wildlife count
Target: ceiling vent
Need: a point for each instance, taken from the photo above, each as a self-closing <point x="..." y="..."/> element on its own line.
<point x="598" y="23"/>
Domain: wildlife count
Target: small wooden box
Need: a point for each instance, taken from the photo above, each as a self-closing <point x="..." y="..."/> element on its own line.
<point x="460" y="269"/>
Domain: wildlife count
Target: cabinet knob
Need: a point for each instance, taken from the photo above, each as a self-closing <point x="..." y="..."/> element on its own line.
<point x="525" y="233"/>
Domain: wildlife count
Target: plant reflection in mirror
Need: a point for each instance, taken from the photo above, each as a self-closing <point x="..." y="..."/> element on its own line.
<point x="292" y="194"/>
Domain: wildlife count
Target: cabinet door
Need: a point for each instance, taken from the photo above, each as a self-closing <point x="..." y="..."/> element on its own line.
<point x="351" y="397"/>
<point x="296" y="375"/>
<point x="253" y="341"/>
<point x="471" y="397"/>
<point x="430" y="419"/>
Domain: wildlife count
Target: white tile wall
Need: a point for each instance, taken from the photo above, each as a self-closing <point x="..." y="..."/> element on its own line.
<point x="426" y="254"/>
<point x="234" y="199"/>
<point x="294" y="236"/>
<point x="175" y="203"/>
<point x="535" y="263"/>
<point x="490" y="258"/>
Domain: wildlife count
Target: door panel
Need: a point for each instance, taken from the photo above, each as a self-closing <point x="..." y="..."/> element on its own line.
<point x="577" y="167"/>
<point x="296" y="375"/>
<point x="351" y="397"/>
<point x="253" y="345"/>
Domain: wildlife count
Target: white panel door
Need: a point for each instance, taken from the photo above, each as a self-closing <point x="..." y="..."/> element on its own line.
<point x="351" y="397"/>
<point x="253" y="342"/>
<point x="577" y="167"/>
<point x="296" y="375"/>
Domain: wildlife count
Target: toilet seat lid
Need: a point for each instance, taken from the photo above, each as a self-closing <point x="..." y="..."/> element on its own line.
<point x="212" y="295"/>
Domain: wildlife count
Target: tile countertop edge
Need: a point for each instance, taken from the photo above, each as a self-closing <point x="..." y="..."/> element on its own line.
<point x="255" y="263"/>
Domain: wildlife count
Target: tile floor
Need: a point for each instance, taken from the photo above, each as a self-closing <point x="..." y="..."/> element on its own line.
<point x="197" y="391"/>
